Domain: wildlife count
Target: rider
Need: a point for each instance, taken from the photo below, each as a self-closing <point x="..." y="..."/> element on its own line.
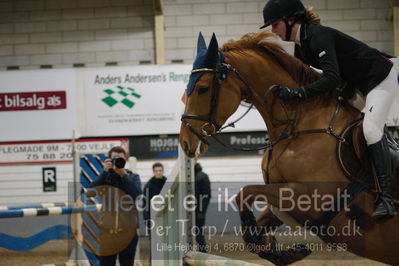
<point x="344" y="61"/>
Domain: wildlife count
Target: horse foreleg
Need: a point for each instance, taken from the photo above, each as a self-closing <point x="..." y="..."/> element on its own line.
<point x="256" y="232"/>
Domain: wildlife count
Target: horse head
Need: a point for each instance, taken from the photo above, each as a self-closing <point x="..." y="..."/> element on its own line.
<point x="211" y="97"/>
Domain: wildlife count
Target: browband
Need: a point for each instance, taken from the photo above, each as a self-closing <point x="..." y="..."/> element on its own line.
<point x="202" y="70"/>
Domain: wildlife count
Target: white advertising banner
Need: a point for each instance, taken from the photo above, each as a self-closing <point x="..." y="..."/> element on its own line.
<point x="134" y="100"/>
<point x="40" y="152"/>
<point x="142" y="100"/>
<point x="37" y="104"/>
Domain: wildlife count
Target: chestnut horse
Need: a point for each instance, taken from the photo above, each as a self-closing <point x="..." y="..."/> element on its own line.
<point x="300" y="165"/>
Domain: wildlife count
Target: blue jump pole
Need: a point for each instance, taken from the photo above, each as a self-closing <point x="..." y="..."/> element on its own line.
<point x="26" y="212"/>
<point x="38" y="205"/>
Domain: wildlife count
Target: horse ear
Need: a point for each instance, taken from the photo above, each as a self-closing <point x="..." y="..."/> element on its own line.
<point x="201" y="45"/>
<point x="213" y="50"/>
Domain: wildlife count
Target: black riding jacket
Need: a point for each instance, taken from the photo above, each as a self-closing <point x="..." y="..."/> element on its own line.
<point x="202" y="194"/>
<point x="346" y="62"/>
<point x="152" y="188"/>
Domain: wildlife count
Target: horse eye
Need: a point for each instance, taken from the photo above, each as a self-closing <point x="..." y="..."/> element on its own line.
<point x="202" y="90"/>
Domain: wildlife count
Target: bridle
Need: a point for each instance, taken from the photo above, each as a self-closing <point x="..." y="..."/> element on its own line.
<point x="211" y="127"/>
<point x="210" y="119"/>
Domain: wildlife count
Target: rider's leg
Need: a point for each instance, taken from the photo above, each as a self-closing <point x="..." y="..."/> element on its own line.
<point x="378" y="104"/>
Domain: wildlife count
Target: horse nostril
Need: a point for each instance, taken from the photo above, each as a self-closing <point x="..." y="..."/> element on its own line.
<point x="185" y="147"/>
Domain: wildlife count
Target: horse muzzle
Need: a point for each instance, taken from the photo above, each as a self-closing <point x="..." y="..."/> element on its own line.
<point x="194" y="148"/>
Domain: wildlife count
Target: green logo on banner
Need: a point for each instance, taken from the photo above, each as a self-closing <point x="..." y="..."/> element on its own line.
<point x="123" y="95"/>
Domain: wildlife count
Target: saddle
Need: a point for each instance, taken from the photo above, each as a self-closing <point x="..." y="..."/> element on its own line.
<point x="354" y="159"/>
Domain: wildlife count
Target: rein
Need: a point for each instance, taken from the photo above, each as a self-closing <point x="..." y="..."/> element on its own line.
<point x="220" y="74"/>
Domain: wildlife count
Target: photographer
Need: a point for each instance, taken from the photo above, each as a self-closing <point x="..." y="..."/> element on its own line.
<point x="116" y="175"/>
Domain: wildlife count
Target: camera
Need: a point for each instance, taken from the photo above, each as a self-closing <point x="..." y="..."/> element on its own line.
<point x="119" y="162"/>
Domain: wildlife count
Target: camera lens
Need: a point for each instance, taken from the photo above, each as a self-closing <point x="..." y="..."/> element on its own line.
<point x="119" y="162"/>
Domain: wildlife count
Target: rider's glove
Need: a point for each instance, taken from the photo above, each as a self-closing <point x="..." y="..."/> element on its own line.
<point x="287" y="93"/>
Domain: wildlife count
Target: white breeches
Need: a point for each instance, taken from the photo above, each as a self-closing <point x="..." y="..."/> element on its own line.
<point x="378" y="103"/>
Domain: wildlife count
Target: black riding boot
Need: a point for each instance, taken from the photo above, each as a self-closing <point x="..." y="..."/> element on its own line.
<point x="380" y="157"/>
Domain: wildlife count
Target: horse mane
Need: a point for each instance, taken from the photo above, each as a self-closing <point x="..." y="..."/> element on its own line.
<point x="265" y="41"/>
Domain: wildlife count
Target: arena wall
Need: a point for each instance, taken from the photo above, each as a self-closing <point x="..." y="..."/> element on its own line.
<point x="62" y="34"/>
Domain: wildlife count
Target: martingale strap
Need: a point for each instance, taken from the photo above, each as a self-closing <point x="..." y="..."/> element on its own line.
<point x="353" y="189"/>
<point x="293" y="133"/>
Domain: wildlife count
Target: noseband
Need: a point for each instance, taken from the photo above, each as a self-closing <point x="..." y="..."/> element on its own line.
<point x="211" y="127"/>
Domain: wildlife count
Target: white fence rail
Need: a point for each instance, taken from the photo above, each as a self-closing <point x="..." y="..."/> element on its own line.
<point x="174" y="216"/>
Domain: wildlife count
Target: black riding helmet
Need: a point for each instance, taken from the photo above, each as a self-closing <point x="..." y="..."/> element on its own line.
<point x="281" y="9"/>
